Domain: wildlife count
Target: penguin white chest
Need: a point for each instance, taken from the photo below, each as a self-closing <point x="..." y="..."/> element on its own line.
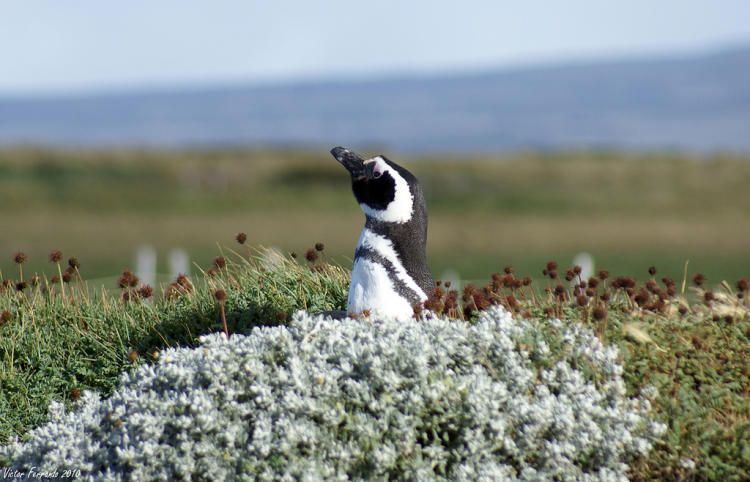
<point x="372" y="289"/>
<point x="380" y="284"/>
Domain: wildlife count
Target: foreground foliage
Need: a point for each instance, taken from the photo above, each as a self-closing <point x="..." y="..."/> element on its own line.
<point x="323" y="399"/>
<point x="58" y="340"/>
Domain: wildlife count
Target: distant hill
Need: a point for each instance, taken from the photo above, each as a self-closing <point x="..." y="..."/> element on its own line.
<point x="690" y="103"/>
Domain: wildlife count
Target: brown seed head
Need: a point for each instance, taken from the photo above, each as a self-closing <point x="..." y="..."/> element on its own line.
<point x="577" y="269"/>
<point x="603" y="274"/>
<point x="67" y="277"/>
<point x="146" y="291"/>
<point x="652" y="270"/>
<point x="508" y="269"/>
<point x="184" y="282"/>
<point x="743" y="285"/>
<point x="220" y="262"/>
<point x="132" y="356"/>
<point x="311" y="255"/>
<point x="55" y="255"/>
<point x="293" y="255"/>
<point x="708" y="297"/>
<point x="552" y="274"/>
<point x="447" y="284"/>
<point x="241" y="238"/>
<point x="437" y="293"/>
<point x="699" y="279"/>
<point x="599" y="313"/>
<point x="21" y="285"/>
<point x="624" y="282"/>
<point x="551" y="265"/>
<point x="125" y="278"/>
<point x="319" y="247"/>
<point x="642" y="297"/>
<point x="74" y="263"/>
<point x="469" y="290"/>
<point x="220" y="295"/>
<point x="560" y="291"/>
<point x="451" y="300"/>
<point x="20" y="257"/>
<point x="526" y="281"/>
<point x="593" y="282"/>
<point x="5" y="316"/>
<point x="569" y="275"/>
<point x="75" y="393"/>
<point x="480" y="300"/>
<point x="582" y="300"/>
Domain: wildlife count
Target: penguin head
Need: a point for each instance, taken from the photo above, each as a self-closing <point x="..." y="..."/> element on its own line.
<point x="384" y="190"/>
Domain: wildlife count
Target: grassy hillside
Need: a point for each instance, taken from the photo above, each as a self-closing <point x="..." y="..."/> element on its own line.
<point x="57" y="340"/>
<point x="629" y="211"/>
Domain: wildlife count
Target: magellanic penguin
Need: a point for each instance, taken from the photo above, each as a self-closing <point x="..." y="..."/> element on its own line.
<point x="390" y="273"/>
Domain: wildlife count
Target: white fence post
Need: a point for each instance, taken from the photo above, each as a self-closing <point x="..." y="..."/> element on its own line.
<point x="179" y="262"/>
<point x="586" y="262"/>
<point x="145" y="264"/>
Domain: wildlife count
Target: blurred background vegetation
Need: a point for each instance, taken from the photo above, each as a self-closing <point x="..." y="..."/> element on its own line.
<point x="629" y="211"/>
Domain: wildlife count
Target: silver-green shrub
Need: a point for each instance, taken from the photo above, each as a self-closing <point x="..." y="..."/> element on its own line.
<point x="338" y="400"/>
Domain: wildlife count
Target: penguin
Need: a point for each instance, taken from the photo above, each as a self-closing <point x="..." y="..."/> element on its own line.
<point x="390" y="273"/>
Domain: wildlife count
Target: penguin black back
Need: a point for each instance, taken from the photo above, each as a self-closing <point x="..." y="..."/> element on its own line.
<point x="409" y="238"/>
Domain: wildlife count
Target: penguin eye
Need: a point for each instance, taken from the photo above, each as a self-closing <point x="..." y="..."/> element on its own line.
<point x="377" y="174"/>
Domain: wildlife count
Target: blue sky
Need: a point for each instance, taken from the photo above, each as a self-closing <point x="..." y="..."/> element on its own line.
<point x="78" y="45"/>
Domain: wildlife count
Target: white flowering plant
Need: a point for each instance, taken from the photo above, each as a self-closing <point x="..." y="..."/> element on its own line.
<point x="500" y="398"/>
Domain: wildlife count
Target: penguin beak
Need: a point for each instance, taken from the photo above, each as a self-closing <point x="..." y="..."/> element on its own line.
<point x="352" y="161"/>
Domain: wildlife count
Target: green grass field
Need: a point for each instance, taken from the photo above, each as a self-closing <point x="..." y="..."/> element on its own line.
<point x="629" y="211"/>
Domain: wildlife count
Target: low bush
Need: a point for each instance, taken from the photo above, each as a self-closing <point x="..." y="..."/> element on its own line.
<point x="323" y="399"/>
